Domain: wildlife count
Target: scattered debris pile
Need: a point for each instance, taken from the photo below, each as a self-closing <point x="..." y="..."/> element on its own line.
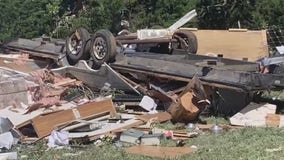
<point x="127" y="100"/>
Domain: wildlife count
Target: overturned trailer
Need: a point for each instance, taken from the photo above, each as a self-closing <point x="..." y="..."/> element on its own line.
<point x="220" y="74"/>
<point x="164" y="53"/>
<point x="180" y="65"/>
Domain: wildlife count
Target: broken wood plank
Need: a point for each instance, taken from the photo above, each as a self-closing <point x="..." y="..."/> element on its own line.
<point x="18" y="118"/>
<point x="106" y="129"/>
<point x="159" y="117"/>
<point x="134" y="84"/>
<point x="160" y="152"/>
<point x="274" y="120"/>
<point x="44" y="124"/>
<point x="65" y="82"/>
<point x="80" y="124"/>
<point x="185" y="109"/>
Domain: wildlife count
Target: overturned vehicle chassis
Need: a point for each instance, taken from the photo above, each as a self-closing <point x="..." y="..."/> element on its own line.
<point x="178" y="64"/>
<point x="174" y="64"/>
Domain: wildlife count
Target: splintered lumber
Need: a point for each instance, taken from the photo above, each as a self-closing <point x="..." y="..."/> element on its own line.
<point x="159" y="117"/>
<point x="160" y="152"/>
<point x="65" y="82"/>
<point x="190" y="102"/>
<point x="185" y="110"/>
<point x="45" y="124"/>
<point x="253" y="115"/>
<point x="107" y="128"/>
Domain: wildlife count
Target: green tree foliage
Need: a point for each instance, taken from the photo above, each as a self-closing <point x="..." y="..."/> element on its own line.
<point x="32" y="18"/>
<point x="27" y="18"/>
<point x="270" y="12"/>
<point x="94" y="15"/>
<point x="223" y="14"/>
<point x="251" y="14"/>
<point x="139" y="13"/>
<point x="212" y="14"/>
<point x="163" y="13"/>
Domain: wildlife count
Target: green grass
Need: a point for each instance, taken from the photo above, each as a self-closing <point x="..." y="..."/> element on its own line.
<point x="247" y="143"/>
<point x="274" y="95"/>
<point x="214" y="120"/>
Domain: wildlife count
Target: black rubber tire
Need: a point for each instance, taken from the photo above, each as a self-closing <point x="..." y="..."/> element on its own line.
<point x="190" y="39"/>
<point x="109" y="48"/>
<point x="83" y="53"/>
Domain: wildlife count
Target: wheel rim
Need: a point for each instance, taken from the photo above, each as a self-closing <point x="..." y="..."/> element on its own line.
<point x="180" y="44"/>
<point x="99" y="48"/>
<point x="74" y="44"/>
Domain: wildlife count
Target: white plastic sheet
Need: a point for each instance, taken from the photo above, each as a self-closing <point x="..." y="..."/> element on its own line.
<point x="58" y="138"/>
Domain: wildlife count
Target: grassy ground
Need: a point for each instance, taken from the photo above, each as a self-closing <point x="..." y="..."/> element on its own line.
<point x="247" y="143"/>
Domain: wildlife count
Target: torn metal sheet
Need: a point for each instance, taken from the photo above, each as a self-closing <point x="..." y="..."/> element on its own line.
<point x="162" y="33"/>
<point x="5" y="125"/>
<point x="6" y="140"/>
<point x="97" y="78"/>
<point x="280" y="49"/>
<point x="13" y="87"/>
<point x="183" y="20"/>
<point x="271" y="60"/>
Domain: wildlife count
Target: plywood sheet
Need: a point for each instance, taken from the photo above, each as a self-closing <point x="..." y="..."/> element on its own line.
<point x="44" y="124"/>
<point x="17" y="115"/>
<point x="275" y="120"/>
<point x="233" y="44"/>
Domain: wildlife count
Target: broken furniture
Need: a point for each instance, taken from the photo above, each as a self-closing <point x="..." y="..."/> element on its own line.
<point x="44" y="124"/>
